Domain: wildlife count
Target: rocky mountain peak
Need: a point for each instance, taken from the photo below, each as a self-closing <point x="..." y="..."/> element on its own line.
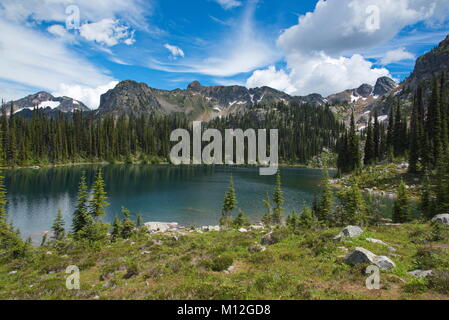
<point x="194" y="85"/>
<point x="365" y="90"/>
<point x="383" y="86"/>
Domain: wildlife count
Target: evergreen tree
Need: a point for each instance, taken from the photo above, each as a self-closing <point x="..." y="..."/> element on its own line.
<point x="267" y="218"/>
<point x="240" y="221"/>
<point x="369" y="145"/>
<point x="139" y="222"/>
<point x="81" y="215"/>
<point x="3" y="202"/>
<point x="99" y="197"/>
<point x="116" y="229"/>
<point x="278" y="200"/>
<point x="354" y="209"/>
<point x="127" y="226"/>
<point x="324" y="211"/>
<point x="401" y="207"/>
<point x="58" y="226"/>
<point x="442" y="186"/>
<point x="307" y="219"/>
<point x="376" y="137"/>
<point x="354" y="147"/>
<point x="229" y="204"/>
<point x="426" y="204"/>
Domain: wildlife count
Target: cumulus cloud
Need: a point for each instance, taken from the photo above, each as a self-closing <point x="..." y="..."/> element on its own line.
<point x="396" y="56"/>
<point x="174" y="50"/>
<point x="322" y="50"/>
<point x="89" y="96"/>
<point x="270" y="77"/>
<point x="229" y="4"/>
<point x="57" y="30"/>
<point x="33" y="60"/>
<point x="108" y="32"/>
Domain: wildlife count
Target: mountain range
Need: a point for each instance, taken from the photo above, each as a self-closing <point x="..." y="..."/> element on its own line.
<point x="208" y="102"/>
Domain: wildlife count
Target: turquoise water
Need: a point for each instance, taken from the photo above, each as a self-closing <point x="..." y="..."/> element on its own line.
<point x="186" y="194"/>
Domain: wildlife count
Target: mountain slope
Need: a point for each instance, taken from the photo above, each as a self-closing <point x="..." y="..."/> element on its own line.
<point x="44" y="100"/>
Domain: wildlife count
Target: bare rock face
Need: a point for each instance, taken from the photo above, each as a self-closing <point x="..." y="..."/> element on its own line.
<point x="383" y="86"/>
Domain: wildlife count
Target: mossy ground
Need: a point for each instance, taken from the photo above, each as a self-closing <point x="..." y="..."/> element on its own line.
<point x="306" y="265"/>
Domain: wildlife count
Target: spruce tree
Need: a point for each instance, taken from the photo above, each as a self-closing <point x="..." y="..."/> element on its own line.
<point x="376" y="137"/>
<point x="139" y="221"/>
<point x="99" y="197"/>
<point x="426" y="205"/>
<point x="442" y="186"/>
<point x="326" y="203"/>
<point x="354" y="210"/>
<point x="81" y="215"/>
<point x="369" y="145"/>
<point x="58" y="226"/>
<point x="3" y="202"/>
<point x="278" y="200"/>
<point x="401" y="207"/>
<point x="354" y="156"/>
<point x="307" y="219"/>
<point x="127" y="225"/>
<point x="229" y="204"/>
<point x="116" y="229"/>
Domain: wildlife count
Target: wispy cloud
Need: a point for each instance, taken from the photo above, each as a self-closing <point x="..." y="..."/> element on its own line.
<point x="229" y="4"/>
<point x="243" y="49"/>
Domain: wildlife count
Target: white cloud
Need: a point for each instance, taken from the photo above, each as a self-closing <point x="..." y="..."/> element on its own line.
<point x="322" y="50"/>
<point x="396" y="56"/>
<point x="272" y="78"/>
<point x="174" y="50"/>
<point x="89" y="96"/>
<point x="243" y="49"/>
<point x="228" y="4"/>
<point x="57" y="30"/>
<point x="131" y="11"/>
<point x="108" y="32"/>
<point x="33" y="60"/>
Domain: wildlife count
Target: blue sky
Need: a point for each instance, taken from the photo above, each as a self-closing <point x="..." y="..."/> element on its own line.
<point x="299" y="47"/>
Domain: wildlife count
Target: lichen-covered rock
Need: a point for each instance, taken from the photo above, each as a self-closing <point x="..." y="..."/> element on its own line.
<point x="421" y="273"/>
<point x="257" y="248"/>
<point x="349" y="232"/>
<point x="442" y="218"/>
<point x="270" y="239"/>
<point x="361" y="255"/>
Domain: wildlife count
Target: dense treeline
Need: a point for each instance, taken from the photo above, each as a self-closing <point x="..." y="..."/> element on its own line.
<point x="304" y="132"/>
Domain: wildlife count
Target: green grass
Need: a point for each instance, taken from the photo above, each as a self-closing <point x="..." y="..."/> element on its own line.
<point x="308" y="265"/>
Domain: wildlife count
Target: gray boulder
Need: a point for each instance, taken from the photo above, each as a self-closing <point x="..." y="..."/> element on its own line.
<point x="442" y="218"/>
<point x="270" y="239"/>
<point x="421" y="273"/>
<point x="257" y="248"/>
<point x="349" y="232"/>
<point x="361" y="255"/>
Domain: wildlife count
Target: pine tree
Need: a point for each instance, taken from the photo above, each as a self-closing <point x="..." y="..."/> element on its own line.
<point x="229" y="204"/>
<point x="307" y="219"/>
<point x="3" y="202"/>
<point x="325" y="206"/>
<point x="58" y="226"/>
<point x="116" y="229"/>
<point x="354" y="156"/>
<point x="127" y="226"/>
<point x="81" y="215"/>
<point x="401" y="207"/>
<point x="414" y="154"/>
<point x="240" y="221"/>
<point x="139" y="221"/>
<point x="354" y="209"/>
<point x="442" y="186"/>
<point x="278" y="200"/>
<point x="267" y="218"/>
<point x="376" y="137"/>
<point x="99" y="197"/>
<point x="426" y="204"/>
<point x="369" y="145"/>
